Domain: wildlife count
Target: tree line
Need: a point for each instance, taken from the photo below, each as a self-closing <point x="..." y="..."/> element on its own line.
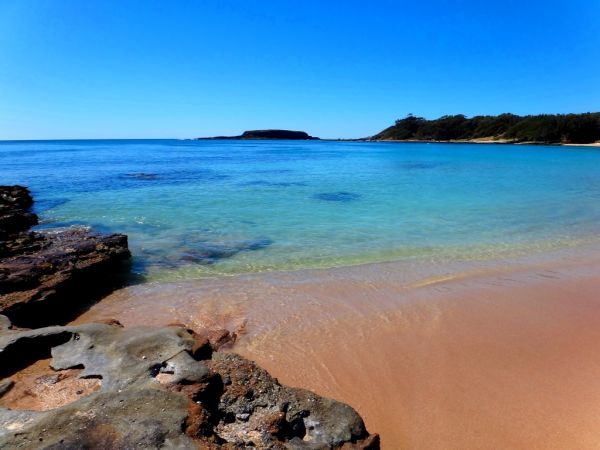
<point x="545" y="128"/>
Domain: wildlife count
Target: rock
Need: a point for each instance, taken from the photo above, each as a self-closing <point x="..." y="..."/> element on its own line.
<point x="52" y="281"/>
<point x="5" y="386"/>
<point x="274" y="184"/>
<point x="20" y="243"/>
<point x="151" y="392"/>
<point x="18" y="197"/>
<point x="202" y="252"/>
<point x="341" y="196"/>
<point x="263" y="409"/>
<point x="144" y="418"/>
<point x="4" y="323"/>
<point x="14" y="215"/>
<point x="43" y="275"/>
<point x="143" y="176"/>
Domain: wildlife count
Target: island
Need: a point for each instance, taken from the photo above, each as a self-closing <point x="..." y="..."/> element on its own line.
<point x="269" y="134"/>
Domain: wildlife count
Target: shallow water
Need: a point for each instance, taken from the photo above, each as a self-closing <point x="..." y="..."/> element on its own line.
<point x="468" y="355"/>
<point x="197" y="208"/>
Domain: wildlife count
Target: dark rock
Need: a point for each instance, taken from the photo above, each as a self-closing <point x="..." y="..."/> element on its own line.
<point x="264" y="183"/>
<point x="220" y="338"/>
<point x="143" y="176"/>
<point x="194" y="249"/>
<point x="337" y="196"/>
<point x="201" y="252"/>
<point x="154" y="394"/>
<point x="20" y="243"/>
<point x="270" y="134"/>
<point x="44" y="274"/>
<point x="18" y="197"/>
<point x="44" y="281"/>
<point x="412" y="165"/>
<point x="14" y="215"/>
<point x="5" y="386"/>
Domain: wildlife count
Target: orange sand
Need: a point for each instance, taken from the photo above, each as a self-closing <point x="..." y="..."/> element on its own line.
<point x="40" y="388"/>
<point x="498" y="356"/>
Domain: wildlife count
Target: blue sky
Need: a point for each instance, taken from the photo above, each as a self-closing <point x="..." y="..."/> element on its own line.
<point x="136" y="69"/>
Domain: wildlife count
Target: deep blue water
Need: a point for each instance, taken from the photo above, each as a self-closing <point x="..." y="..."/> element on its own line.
<point x="193" y="208"/>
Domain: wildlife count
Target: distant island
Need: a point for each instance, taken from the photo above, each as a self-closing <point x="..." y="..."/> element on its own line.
<point x="506" y="128"/>
<point x="269" y="134"/>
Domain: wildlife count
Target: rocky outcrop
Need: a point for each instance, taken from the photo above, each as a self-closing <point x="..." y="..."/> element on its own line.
<point x="115" y="388"/>
<point x="270" y="134"/>
<point x="15" y="217"/>
<point x="44" y="276"/>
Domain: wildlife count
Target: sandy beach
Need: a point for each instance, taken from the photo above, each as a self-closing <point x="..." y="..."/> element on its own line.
<point x="496" y="354"/>
<point x="594" y="144"/>
<point x="489" y="140"/>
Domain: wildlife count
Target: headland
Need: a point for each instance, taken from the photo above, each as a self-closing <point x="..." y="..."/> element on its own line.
<point x="568" y="129"/>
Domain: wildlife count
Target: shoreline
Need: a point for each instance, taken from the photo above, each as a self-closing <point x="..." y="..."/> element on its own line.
<point x="424" y="360"/>
<point x="478" y="141"/>
<point x="414" y="141"/>
<point x="50" y="373"/>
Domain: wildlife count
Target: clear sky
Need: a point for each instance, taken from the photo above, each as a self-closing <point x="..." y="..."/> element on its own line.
<point x="343" y="68"/>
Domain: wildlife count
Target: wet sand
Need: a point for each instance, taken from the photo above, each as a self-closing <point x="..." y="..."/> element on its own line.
<point x="498" y="354"/>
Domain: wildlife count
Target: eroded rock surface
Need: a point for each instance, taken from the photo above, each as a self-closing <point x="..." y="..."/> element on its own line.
<point x="44" y="274"/>
<point x="160" y="388"/>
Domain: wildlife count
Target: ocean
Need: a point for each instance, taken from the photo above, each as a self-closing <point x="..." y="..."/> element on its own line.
<point x="194" y="209"/>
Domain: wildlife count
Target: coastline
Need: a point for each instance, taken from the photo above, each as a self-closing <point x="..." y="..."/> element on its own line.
<point x="478" y="141"/>
<point x="478" y="355"/>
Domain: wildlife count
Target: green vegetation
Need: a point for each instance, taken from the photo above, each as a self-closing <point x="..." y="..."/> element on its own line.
<point x="546" y="128"/>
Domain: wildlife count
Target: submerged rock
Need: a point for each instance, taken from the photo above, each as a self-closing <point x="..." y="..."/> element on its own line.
<point x="341" y="196"/>
<point x="44" y="276"/>
<point x="143" y="176"/>
<point x="276" y="184"/>
<point x="202" y="252"/>
<point x="162" y="388"/>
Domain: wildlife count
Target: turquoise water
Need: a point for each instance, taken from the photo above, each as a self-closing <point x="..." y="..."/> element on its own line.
<point x="196" y="208"/>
